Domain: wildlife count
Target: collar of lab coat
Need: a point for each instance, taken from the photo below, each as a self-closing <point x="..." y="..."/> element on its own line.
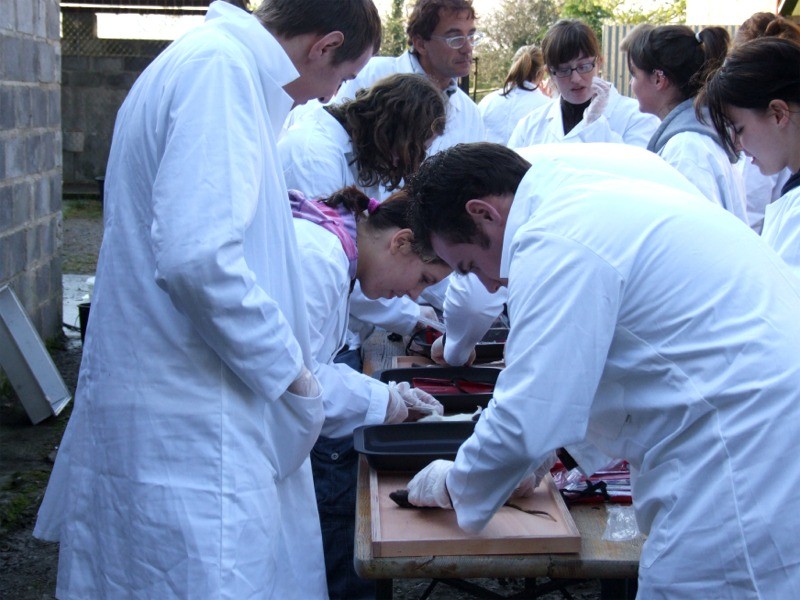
<point x="275" y="68"/>
<point x="339" y="135"/>
<point x="412" y="66"/>
<point x="523" y="206"/>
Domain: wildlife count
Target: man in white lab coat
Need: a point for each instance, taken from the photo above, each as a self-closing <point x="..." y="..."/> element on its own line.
<point x="646" y="322"/>
<point x="184" y="470"/>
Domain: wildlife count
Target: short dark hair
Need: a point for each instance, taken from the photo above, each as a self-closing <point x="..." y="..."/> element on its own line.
<point x="389" y="123"/>
<point x="425" y="16"/>
<point x="753" y="74"/>
<point x="566" y="39"/>
<point x="358" y="20"/>
<point x="447" y="180"/>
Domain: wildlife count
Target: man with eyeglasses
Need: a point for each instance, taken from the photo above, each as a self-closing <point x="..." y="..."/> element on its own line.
<point x="442" y="36"/>
<point x="590" y="109"/>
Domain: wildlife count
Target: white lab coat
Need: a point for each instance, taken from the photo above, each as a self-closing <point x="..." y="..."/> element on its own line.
<point x="760" y="189"/>
<point x="782" y="228"/>
<point x="621" y="122"/>
<point x="502" y="113"/>
<point x="351" y="398"/>
<point x="184" y="470"/>
<point x="464" y="123"/>
<point x="316" y="153"/>
<point x="694" y="149"/>
<point x="666" y="333"/>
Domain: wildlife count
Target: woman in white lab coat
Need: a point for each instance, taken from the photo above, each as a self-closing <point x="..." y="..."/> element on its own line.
<point x="646" y="322"/>
<point x="668" y="64"/>
<point x="590" y="109"/>
<point x="347" y="238"/>
<point x="754" y="102"/>
<point x="521" y="93"/>
<point x="373" y="142"/>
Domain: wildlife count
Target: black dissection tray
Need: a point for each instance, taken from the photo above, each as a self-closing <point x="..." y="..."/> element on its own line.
<point x="410" y="446"/>
<point x="466" y="401"/>
<point x="492" y="346"/>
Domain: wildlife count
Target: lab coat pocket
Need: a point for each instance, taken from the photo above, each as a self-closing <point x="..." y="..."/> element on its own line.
<point x="292" y="425"/>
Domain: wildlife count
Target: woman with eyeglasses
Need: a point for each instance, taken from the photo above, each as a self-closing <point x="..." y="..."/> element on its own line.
<point x="754" y="103"/>
<point x="590" y="109"/>
<point x="521" y="93"/>
<point x="668" y="65"/>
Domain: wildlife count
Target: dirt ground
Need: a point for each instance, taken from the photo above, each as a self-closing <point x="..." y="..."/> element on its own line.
<point x="29" y="566"/>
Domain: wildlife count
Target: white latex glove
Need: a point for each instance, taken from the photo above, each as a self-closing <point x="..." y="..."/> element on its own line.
<point x="437" y="353"/>
<point x="409" y="404"/>
<point x="428" y="487"/>
<point x="600" y="92"/>
<point x="305" y="384"/>
<point x="531" y="481"/>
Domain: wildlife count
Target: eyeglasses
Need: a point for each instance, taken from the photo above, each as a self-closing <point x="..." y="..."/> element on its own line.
<point x="582" y="69"/>
<point x="458" y="41"/>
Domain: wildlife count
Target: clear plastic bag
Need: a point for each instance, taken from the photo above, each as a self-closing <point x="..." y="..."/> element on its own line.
<point x="621" y="524"/>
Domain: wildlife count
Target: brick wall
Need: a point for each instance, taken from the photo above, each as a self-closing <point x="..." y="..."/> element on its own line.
<point x="30" y="158"/>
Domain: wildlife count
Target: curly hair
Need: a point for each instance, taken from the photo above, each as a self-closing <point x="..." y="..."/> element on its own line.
<point x="389" y="124"/>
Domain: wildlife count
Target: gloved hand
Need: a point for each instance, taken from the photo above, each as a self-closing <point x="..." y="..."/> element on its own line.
<point x="437" y="353"/>
<point x="428" y="487"/>
<point x="600" y="92"/>
<point x="409" y="404"/>
<point x="531" y="481"/>
<point x="305" y="384"/>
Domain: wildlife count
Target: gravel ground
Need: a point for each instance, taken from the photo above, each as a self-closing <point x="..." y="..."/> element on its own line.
<point x="28" y="566"/>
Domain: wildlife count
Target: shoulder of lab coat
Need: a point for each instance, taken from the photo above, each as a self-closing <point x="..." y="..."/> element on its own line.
<point x="782" y="228"/>
<point x="350" y="398"/>
<point x="469" y="311"/>
<point x="703" y="162"/>
<point x="189" y="272"/>
<point x="501" y="114"/>
<point x="314" y="155"/>
<point x="464" y="123"/>
<point x="376" y="68"/>
<point x="622" y="122"/>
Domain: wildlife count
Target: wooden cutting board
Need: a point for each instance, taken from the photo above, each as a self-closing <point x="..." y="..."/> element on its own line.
<point x="400" y="531"/>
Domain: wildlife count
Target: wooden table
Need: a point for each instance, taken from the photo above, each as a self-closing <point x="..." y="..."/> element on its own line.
<point x="597" y="559"/>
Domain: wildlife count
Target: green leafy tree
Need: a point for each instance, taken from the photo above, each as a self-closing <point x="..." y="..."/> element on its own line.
<point x="595" y="13"/>
<point x="394" y="41"/>
<point x="661" y="13"/>
<point x="515" y="23"/>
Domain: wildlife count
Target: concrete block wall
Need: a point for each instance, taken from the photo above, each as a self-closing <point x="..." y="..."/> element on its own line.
<point x="30" y="158"/>
<point x="96" y="76"/>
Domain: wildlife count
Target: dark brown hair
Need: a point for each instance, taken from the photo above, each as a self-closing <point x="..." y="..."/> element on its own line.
<point x="358" y="20"/>
<point x="685" y="57"/>
<point x="766" y="24"/>
<point x="565" y="41"/>
<point x="426" y="14"/>
<point x="753" y="75"/>
<point x="389" y="124"/>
